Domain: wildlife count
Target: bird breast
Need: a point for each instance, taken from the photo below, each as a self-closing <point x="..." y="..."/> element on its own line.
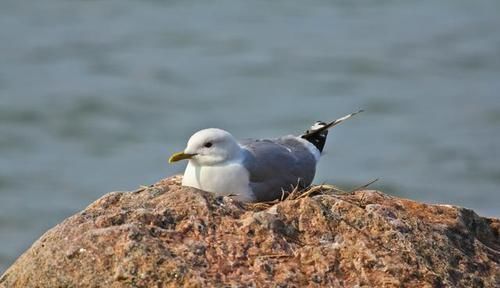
<point x="228" y="179"/>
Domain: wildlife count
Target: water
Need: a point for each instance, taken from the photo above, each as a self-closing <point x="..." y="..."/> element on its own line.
<point x="94" y="96"/>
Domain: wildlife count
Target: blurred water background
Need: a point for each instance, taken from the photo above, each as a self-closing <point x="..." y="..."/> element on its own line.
<point x="95" y="95"/>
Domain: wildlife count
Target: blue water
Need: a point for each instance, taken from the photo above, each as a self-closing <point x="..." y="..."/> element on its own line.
<point x="95" y="95"/>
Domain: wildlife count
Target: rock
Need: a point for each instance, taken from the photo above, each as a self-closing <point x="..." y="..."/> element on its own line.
<point x="170" y="236"/>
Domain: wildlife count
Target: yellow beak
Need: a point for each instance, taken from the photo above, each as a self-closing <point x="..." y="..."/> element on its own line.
<point x="179" y="156"/>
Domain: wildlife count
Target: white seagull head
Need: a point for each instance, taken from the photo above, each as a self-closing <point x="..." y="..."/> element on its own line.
<point x="209" y="147"/>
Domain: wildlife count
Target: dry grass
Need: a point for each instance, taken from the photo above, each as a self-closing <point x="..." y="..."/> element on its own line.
<point x="298" y="193"/>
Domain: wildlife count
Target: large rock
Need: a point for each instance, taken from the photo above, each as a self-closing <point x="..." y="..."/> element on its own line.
<point x="170" y="236"/>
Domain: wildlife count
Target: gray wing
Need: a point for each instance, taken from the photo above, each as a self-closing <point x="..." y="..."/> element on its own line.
<point x="277" y="164"/>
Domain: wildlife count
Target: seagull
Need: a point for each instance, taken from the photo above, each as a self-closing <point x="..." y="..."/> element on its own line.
<point x="253" y="170"/>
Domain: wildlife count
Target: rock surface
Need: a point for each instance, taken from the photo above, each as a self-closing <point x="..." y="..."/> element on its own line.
<point x="171" y="236"/>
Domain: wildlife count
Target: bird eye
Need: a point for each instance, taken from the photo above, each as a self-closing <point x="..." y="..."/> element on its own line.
<point x="208" y="144"/>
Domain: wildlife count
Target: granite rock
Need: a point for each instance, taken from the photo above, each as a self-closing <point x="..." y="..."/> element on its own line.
<point x="172" y="236"/>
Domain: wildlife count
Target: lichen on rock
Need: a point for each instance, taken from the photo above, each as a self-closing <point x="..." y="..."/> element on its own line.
<point x="170" y="236"/>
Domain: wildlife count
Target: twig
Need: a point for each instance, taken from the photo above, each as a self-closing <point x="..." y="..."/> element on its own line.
<point x="272" y="256"/>
<point x="141" y="188"/>
<point x="363" y="186"/>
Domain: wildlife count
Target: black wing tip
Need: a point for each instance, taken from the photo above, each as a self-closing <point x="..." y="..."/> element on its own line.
<point x="317" y="139"/>
<point x="319" y="131"/>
